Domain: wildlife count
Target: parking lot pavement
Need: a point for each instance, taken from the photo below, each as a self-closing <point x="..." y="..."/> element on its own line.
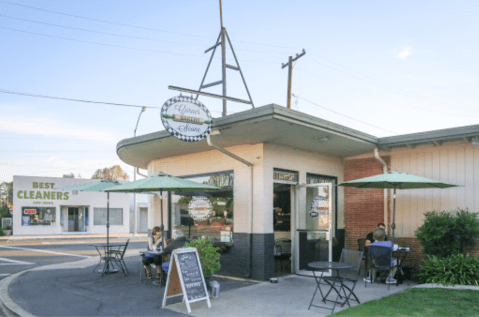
<point x="82" y="292"/>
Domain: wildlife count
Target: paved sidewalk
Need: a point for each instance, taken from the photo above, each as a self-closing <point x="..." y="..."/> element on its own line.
<point x="72" y="289"/>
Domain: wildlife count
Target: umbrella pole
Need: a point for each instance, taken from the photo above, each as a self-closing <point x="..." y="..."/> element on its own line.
<point x="162" y="227"/>
<point x="393" y="226"/>
<point x="108" y="223"/>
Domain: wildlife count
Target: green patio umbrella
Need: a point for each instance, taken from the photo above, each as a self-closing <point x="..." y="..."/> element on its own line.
<point x="160" y="182"/>
<point x="397" y="180"/>
<point x="98" y="186"/>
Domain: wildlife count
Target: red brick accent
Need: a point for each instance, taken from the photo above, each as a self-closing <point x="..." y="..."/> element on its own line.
<point x="363" y="208"/>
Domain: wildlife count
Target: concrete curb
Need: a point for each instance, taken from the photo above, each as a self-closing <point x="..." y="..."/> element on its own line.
<point x="13" y="309"/>
<point x="470" y="287"/>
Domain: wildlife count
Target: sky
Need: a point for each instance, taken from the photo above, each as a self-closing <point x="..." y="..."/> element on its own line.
<point x="381" y="67"/>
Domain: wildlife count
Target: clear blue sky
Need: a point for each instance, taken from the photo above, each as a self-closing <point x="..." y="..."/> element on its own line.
<point x="383" y="67"/>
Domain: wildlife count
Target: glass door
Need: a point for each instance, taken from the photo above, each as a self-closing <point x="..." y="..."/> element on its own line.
<point x="313" y="225"/>
<point x="73" y="221"/>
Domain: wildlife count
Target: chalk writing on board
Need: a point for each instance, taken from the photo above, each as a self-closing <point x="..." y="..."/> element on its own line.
<point x="192" y="275"/>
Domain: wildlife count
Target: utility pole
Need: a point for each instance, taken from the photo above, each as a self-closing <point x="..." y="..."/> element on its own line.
<point x="290" y="75"/>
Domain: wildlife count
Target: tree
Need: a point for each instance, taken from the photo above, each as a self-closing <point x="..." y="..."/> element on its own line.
<point x="115" y="173"/>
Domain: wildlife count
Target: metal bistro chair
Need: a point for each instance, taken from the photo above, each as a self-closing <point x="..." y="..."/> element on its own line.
<point x="282" y="251"/>
<point x="118" y="257"/>
<point x="143" y="272"/>
<point x="362" y="247"/>
<point x="348" y="276"/>
<point x="379" y="258"/>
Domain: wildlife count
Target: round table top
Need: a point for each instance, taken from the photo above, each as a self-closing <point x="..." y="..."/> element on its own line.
<point x="323" y="265"/>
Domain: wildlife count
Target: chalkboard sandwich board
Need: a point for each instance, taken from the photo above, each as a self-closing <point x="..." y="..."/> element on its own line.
<point x="185" y="278"/>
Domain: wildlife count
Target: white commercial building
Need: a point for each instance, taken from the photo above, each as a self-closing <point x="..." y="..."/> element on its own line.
<point x="40" y="209"/>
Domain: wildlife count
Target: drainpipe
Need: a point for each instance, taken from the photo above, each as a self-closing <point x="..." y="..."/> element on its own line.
<point x="138" y="172"/>
<point x="250" y="220"/>
<point x="385" y="170"/>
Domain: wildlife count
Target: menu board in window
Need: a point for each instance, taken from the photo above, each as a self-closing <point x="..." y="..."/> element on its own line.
<point x="185" y="268"/>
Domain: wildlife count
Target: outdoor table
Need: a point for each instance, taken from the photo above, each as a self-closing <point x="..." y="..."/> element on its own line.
<point x="108" y="268"/>
<point x="322" y="266"/>
<point x="400" y="255"/>
<point x="142" y="253"/>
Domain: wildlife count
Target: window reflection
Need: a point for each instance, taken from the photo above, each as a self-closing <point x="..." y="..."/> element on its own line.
<point x="206" y="213"/>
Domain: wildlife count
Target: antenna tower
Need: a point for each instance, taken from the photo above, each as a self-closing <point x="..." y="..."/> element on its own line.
<point x="221" y="40"/>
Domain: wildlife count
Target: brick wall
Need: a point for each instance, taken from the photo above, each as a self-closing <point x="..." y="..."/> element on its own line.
<point x="363" y="208"/>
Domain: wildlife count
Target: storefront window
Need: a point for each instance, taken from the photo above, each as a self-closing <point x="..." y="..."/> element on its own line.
<point x="285" y="176"/>
<point x="116" y="216"/>
<point x="38" y="216"/>
<point x="206" y="213"/>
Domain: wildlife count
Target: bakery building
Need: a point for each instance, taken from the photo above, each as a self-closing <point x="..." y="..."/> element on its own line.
<point x="277" y="170"/>
<point x="40" y="209"/>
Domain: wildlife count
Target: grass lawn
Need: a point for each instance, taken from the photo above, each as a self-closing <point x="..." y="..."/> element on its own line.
<point x="420" y="302"/>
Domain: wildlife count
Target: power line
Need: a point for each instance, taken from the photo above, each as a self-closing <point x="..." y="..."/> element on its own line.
<point x="98" y="32"/>
<point x="125" y="36"/>
<point x="124" y="47"/>
<point x="70" y="99"/>
<point x="378" y="83"/>
<point x="97" y="43"/>
<point x="130" y="25"/>
<point x="313" y="103"/>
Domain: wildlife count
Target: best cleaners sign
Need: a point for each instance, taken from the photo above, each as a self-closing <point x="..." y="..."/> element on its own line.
<point x="186" y="118"/>
<point x="42" y="191"/>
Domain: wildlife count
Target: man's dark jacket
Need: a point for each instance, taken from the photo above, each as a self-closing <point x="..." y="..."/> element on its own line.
<point x="175" y="244"/>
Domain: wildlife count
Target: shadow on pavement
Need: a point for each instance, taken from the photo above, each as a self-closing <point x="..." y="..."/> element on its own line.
<point x="81" y="292"/>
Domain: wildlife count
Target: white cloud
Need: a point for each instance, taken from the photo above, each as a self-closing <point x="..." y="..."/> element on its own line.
<point x="53" y="158"/>
<point x="407" y="51"/>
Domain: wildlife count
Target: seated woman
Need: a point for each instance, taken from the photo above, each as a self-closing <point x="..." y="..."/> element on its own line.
<point x="379" y="236"/>
<point x="153" y="241"/>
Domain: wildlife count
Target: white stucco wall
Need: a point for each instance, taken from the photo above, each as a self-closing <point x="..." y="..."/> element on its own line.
<point x="83" y="199"/>
<point x="265" y="157"/>
<point x="215" y="161"/>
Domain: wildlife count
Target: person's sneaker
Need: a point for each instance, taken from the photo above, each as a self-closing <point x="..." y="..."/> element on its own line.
<point x="391" y="280"/>
<point x="367" y="279"/>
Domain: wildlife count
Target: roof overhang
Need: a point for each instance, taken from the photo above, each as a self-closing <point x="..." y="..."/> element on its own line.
<point x="435" y="138"/>
<point x="268" y="124"/>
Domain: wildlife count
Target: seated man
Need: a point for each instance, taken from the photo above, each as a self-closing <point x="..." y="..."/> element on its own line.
<point x="178" y="241"/>
<point x="379" y="235"/>
<point x="370" y="238"/>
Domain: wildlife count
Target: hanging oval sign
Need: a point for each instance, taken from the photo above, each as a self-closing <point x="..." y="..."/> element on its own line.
<point x="186" y="118"/>
<point x="200" y="208"/>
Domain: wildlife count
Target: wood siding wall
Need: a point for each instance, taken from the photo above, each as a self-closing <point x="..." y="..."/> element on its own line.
<point x="458" y="163"/>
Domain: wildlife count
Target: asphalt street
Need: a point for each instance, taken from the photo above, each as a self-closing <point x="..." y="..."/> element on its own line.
<point x="18" y="256"/>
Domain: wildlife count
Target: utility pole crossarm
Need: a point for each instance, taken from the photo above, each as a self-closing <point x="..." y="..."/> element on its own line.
<point x="290" y="75"/>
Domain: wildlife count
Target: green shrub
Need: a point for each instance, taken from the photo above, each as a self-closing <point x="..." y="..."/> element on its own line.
<point x="455" y="269"/>
<point x="444" y="233"/>
<point x="1" y="231"/>
<point x="466" y="228"/>
<point x="209" y="255"/>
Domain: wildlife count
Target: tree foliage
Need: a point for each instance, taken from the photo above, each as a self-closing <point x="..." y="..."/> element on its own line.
<point x="444" y="233"/>
<point x="115" y="173"/>
<point x="9" y="192"/>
